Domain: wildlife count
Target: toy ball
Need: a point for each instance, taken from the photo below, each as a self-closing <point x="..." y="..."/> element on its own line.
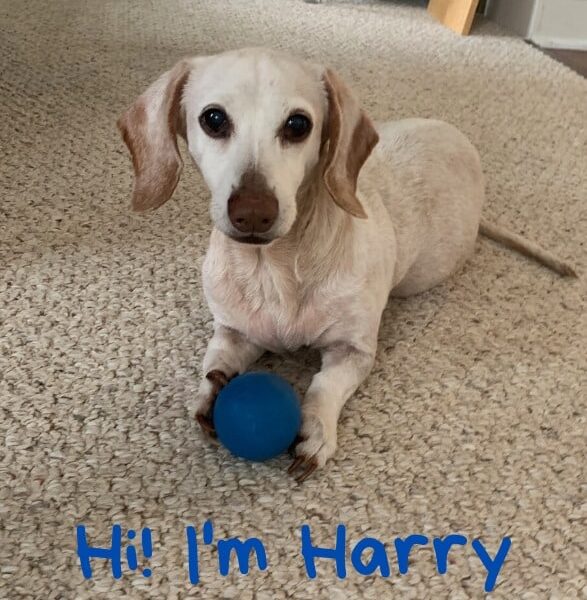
<point x="257" y="415"/>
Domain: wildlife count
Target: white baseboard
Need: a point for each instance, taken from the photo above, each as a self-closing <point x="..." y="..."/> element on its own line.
<point x="559" y="43"/>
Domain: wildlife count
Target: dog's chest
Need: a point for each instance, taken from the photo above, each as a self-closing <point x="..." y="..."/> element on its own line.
<point x="270" y="306"/>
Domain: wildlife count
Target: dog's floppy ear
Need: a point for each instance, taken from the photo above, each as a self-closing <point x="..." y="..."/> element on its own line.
<point x="149" y="129"/>
<point x="351" y="137"/>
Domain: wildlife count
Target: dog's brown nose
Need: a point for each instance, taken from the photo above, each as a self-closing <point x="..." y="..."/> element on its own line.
<point x="253" y="207"/>
<point x="250" y="214"/>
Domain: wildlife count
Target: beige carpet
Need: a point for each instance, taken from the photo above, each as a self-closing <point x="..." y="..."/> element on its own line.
<point x="473" y="420"/>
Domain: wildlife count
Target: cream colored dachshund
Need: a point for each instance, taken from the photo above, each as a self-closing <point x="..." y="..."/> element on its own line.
<point x="319" y="214"/>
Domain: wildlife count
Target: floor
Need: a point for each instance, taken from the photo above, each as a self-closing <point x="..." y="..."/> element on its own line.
<point x="473" y="419"/>
<point x="574" y="59"/>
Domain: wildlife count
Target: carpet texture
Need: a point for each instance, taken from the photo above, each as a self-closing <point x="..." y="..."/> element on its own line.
<point x="473" y="420"/>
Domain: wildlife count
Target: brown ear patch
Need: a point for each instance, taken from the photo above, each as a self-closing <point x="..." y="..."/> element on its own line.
<point x="149" y="129"/>
<point x="364" y="139"/>
<point x="139" y="117"/>
<point x="351" y="138"/>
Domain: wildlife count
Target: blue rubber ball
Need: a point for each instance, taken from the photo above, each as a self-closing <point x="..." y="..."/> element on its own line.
<point x="257" y="415"/>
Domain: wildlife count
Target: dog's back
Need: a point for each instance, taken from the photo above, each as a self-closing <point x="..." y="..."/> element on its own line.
<point x="431" y="183"/>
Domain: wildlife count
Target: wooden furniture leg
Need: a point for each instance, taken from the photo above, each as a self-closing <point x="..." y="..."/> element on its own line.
<point x="455" y="14"/>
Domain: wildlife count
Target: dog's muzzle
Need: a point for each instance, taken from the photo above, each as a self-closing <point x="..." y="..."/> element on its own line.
<point x="252" y="209"/>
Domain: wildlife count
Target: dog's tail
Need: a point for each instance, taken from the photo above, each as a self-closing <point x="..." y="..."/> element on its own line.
<point x="528" y="248"/>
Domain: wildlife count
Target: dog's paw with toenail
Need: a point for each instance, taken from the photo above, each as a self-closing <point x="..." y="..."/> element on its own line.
<point x="317" y="444"/>
<point x="210" y="387"/>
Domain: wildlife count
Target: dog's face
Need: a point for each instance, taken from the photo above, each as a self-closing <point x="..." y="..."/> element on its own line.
<point x="254" y="124"/>
<point x="257" y="124"/>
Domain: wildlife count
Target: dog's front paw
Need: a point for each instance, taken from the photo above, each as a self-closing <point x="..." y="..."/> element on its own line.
<point x="211" y="385"/>
<point x="317" y="445"/>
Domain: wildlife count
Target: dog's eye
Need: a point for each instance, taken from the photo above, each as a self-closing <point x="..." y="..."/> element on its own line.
<point x="215" y="122"/>
<point x="296" y="128"/>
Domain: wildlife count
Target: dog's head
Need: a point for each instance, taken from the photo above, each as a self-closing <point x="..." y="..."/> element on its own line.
<point x="259" y="125"/>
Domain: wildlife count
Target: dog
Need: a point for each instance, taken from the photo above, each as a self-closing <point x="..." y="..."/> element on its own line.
<point x="319" y="215"/>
